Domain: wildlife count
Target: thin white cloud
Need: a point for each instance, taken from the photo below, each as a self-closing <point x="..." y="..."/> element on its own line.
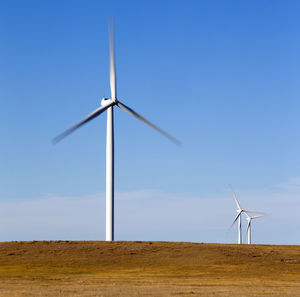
<point x="292" y="183"/>
<point x="149" y="215"/>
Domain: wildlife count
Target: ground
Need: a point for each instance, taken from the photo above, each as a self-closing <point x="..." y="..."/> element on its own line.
<point x="96" y="268"/>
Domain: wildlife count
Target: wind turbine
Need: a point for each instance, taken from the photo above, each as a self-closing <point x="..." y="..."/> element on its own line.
<point x="238" y="217"/>
<point x="249" y="219"/>
<point x="108" y="104"/>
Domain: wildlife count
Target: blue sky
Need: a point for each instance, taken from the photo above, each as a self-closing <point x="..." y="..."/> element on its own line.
<point x="221" y="76"/>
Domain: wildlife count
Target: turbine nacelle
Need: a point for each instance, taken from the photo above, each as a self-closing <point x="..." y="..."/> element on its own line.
<point x="106" y="101"/>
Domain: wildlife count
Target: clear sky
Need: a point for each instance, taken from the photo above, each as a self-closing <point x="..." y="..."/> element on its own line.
<point x="221" y="76"/>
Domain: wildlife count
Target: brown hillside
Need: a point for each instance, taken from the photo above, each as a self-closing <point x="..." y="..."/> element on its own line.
<point x="70" y="268"/>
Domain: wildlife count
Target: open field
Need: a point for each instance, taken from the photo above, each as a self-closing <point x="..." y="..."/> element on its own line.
<point x="63" y="268"/>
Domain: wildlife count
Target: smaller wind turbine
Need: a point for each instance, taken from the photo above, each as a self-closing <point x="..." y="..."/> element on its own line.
<point x="249" y="219"/>
<point x="238" y="217"/>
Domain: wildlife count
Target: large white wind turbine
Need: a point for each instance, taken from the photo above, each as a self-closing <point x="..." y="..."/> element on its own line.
<point x="249" y="219"/>
<point x="108" y="104"/>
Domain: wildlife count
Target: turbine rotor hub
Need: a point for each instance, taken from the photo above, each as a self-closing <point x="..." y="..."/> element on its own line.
<point x="106" y="101"/>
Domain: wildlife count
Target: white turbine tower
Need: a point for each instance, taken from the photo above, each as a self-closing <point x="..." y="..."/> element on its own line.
<point x="108" y="104"/>
<point x="249" y="219"/>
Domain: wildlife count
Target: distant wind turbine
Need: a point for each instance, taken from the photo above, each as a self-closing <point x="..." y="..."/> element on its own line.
<point x="238" y="217"/>
<point x="108" y="104"/>
<point x="249" y="219"/>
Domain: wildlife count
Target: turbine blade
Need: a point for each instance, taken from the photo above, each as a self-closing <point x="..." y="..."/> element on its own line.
<point x="255" y="211"/>
<point x="235" y="219"/>
<point x="235" y="198"/>
<point x="91" y="116"/>
<point x="112" y="69"/>
<point x="139" y="117"/>
<point x="248" y="226"/>
<point x="259" y="216"/>
<point x="246" y="214"/>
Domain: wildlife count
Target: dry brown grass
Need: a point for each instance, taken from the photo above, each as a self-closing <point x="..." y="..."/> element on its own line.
<point x="62" y="268"/>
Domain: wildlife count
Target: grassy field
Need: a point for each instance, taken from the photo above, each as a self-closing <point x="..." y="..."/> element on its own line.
<point x="73" y="268"/>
